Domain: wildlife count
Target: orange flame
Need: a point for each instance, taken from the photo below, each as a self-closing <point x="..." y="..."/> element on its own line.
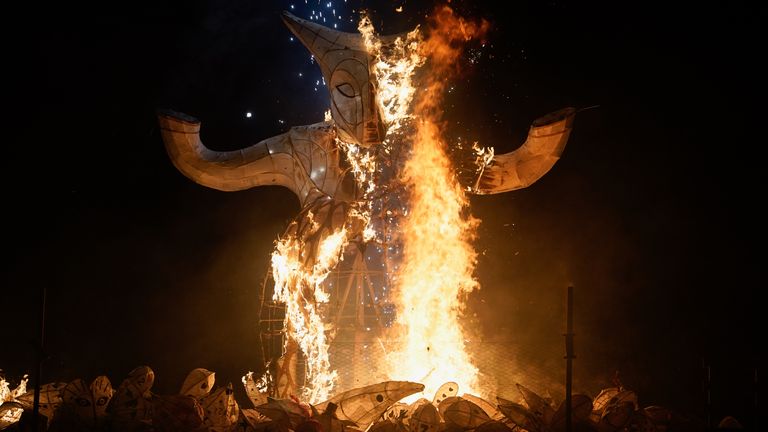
<point x="438" y="259"/>
<point x="300" y="289"/>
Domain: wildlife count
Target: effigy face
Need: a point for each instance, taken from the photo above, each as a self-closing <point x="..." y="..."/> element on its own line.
<point x="353" y="104"/>
<point x="346" y="67"/>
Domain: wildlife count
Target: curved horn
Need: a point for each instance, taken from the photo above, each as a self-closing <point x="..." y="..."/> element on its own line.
<point x="346" y="67"/>
<point x="524" y="166"/>
<point x="260" y="164"/>
<point x="328" y="46"/>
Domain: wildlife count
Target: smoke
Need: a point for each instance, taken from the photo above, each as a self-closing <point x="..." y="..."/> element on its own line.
<point x="174" y="288"/>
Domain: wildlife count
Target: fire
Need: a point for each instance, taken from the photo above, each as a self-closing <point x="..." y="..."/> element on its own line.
<point x="438" y="258"/>
<point x="299" y="287"/>
<point x="436" y="273"/>
<point x="483" y="158"/>
<point x="301" y="262"/>
<point x="13" y="414"/>
<point x="8" y="395"/>
<point x="363" y="166"/>
<point x="394" y="68"/>
<point x="5" y="390"/>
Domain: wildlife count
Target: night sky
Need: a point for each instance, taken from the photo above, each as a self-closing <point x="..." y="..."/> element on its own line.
<point x="652" y="212"/>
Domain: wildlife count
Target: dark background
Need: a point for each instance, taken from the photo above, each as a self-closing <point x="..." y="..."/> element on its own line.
<point x="653" y="212"/>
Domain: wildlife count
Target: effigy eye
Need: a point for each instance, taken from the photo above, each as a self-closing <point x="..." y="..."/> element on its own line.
<point x="346" y="89"/>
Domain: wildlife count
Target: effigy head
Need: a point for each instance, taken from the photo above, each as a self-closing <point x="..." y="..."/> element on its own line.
<point x="346" y="67"/>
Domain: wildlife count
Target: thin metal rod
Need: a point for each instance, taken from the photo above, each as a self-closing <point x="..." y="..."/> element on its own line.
<point x="39" y="358"/>
<point x="569" y="356"/>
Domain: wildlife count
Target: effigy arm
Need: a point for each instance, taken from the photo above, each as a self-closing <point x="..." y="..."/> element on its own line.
<point x="523" y="167"/>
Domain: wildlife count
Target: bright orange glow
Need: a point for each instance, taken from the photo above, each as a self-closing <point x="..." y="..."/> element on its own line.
<point x="394" y="67"/>
<point x="299" y="278"/>
<point x="299" y="287"/>
<point x="12" y="415"/>
<point x="438" y="258"/>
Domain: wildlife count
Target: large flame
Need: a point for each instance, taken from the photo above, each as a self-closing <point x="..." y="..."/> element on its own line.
<point x="438" y="260"/>
<point x="300" y="289"/>
<point x="298" y="285"/>
<point x="394" y="67"/>
<point x="299" y="277"/>
<point x="436" y="272"/>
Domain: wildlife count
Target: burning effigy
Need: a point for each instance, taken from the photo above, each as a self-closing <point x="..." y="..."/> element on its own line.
<point x="376" y="168"/>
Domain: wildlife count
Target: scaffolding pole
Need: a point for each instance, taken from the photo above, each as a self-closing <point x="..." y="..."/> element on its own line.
<point x="40" y="357"/>
<point x="569" y="356"/>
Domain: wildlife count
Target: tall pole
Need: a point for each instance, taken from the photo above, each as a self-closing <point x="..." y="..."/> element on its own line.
<point x="708" y="391"/>
<point x="756" y="418"/>
<point x="569" y="356"/>
<point x="39" y="358"/>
